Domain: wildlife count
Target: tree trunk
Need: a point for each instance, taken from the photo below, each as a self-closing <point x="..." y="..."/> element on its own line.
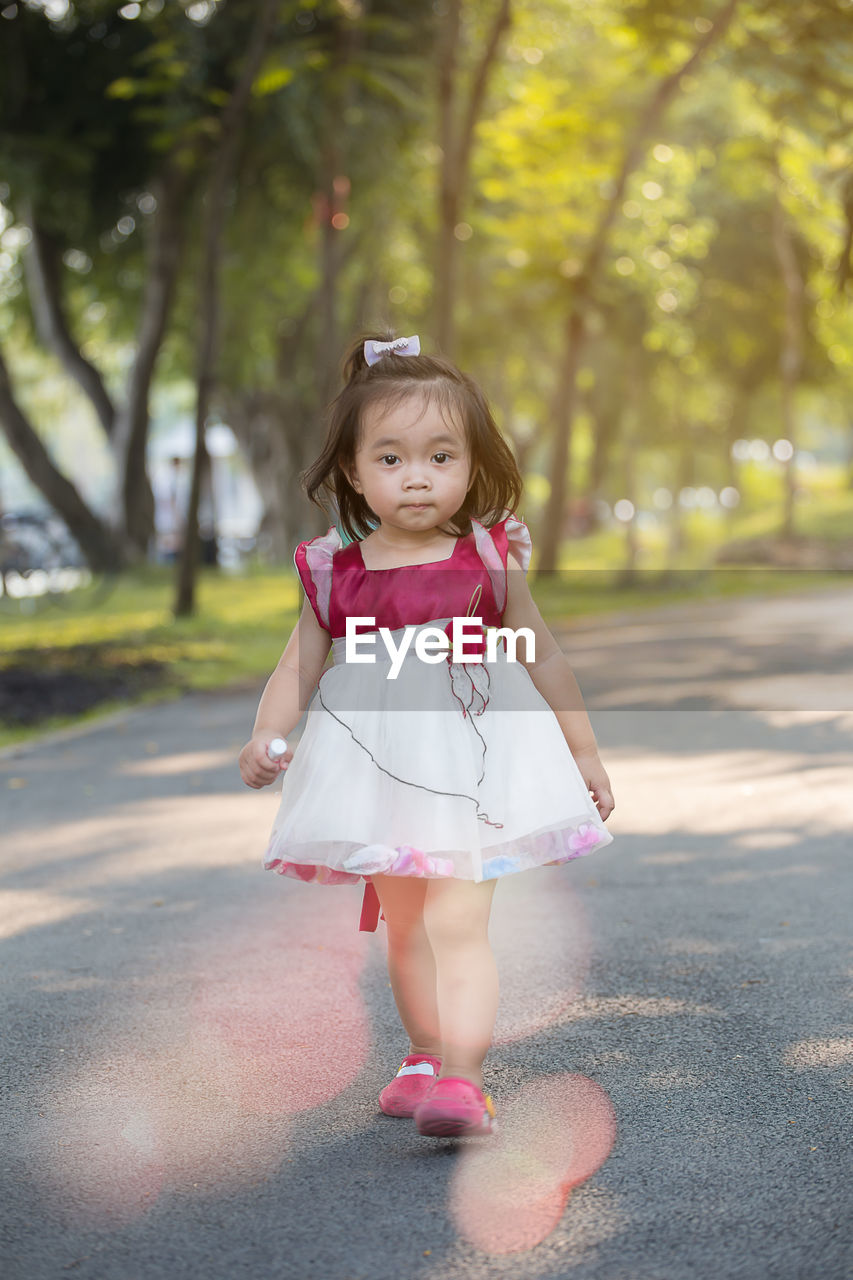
<point x="258" y="421"/>
<point x="628" y="574"/>
<point x="135" y="500"/>
<point x="603" y="430"/>
<point x="676" y="541"/>
<point x="448" y="195"/>
<point x="233" y="119"/>
<point x="630" y="439"/>
<point x="125" y="426"/>
<point x="791" y="353"/>
<point x="456" y="142"/>
<point x="334" y="192"/>
<point x="582" y="288"/>
<point x="845" y="258"/>
<point x="328" y="345"/>
<point x="562" y="416"/>
<point x="96" y="541"/>
<point x="42" y="262"/>
<point x="737" y="423"/>
<point x="277" y="442"/>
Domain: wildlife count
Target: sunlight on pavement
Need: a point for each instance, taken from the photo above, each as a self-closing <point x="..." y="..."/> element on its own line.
<point x="742" y="875"/>
<point x="507" y="1195"/>
<point x="640" y="1006"/>
<point x="139" y="839"/>
<point x="774" y="840"/>
<point x="698" y="946"/>
<point x="170" y="766"/>
<point x="812" y="691"/>
<point x="754" y="799"/>
<point x="675" y="1078"/>
<point x="834" y="1052"/>
<point x="836" y="718"/>
<point x="23" y="909"/>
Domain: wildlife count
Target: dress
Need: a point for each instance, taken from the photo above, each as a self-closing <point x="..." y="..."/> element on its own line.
<point x="448" y="768"/>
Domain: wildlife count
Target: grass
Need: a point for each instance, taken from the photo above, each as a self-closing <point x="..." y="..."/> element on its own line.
<point x="237" y="621"/>
<point x="825" y="515"/>
<point x="243" y="623"/>
<point x="237" y="635"/>
<point x="566" y="601"/>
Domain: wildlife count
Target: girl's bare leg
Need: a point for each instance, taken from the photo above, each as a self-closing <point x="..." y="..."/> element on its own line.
<point x="456" y="916"/>
<point x="411" y="966"/>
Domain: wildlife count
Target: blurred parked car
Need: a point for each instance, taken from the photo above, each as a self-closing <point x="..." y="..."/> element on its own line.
<point x="30" y="540"/>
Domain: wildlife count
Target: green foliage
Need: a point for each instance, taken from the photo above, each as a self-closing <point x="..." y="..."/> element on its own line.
<point x="687" y="317"/>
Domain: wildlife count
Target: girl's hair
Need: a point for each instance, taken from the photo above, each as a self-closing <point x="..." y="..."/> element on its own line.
<point x="498" y="484"/>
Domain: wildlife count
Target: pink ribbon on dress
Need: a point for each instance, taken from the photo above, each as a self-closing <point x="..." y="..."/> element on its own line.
<point x="370" y="909"/>
<point x="469" y="681"/>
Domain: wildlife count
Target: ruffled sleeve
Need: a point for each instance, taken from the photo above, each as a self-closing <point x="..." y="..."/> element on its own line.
<point x="313" y="562"/>
<point x="494" y="545"/>
<point x="519" y="540"/>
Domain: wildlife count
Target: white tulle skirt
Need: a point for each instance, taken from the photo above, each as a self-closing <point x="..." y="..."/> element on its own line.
<point x="447" y="770"/>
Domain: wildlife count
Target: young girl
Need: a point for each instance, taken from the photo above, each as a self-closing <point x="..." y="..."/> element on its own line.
<point x="428" y="772"/>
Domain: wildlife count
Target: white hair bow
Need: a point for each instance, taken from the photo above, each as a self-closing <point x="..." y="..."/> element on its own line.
<point x="374" y="351"/>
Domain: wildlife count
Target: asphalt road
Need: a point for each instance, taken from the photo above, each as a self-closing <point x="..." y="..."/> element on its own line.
<point x="192" y="1047"/>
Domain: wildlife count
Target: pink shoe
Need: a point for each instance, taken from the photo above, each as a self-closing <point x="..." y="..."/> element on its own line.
<point x="456" y="1108"/>
<point x="410" y="1085"/>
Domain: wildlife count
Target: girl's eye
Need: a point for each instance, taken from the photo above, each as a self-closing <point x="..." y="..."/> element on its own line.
<point x="393" y="456"/>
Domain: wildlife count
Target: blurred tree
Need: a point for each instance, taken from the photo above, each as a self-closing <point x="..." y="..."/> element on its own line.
<point x="332" y="195"/>
<point x="93" y="536"/>
<point x="231" y="125"/>
<point x="90" y="174"/>
<point x="581" y="286"/>
<point x="607" y="230"/>
<point x="692" y="238"/>
<point x="459" y="110"/>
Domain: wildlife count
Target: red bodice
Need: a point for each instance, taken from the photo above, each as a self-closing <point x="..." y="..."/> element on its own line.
<point x="339" y="586"/>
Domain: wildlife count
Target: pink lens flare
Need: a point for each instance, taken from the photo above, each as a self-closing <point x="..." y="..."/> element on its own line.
<point x="96" y="1147"/>
<point x="199" y="1100"/>
<point x="131" y="1125"/>
<point x="510" y="1191"/>
<point x="278" y="1008"/>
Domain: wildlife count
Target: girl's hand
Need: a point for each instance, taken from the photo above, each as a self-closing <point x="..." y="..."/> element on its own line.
<point x="595" y="776"/>
<point x="256" y="768"/>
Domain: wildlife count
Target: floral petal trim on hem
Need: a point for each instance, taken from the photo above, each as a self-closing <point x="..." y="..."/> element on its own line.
<point x="376" y="859"/>
<point x="310" y="871"/>
<point x="583" y="841"/>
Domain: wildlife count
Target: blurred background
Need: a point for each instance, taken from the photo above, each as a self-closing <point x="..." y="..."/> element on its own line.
<point x="631" y="222"/>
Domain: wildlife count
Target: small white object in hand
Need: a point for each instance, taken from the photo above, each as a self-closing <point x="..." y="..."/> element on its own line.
<point x="276" y="749"/>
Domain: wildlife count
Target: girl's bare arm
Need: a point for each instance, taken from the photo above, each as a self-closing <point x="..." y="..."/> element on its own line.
<point x="287" y="694"/>
<point x="555" y="680"/>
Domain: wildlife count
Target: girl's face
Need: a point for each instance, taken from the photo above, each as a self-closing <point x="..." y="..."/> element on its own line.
<point x="412" y="467"/>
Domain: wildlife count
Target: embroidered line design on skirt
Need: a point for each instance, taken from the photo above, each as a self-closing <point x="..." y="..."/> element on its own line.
<point x="481" y="814"/>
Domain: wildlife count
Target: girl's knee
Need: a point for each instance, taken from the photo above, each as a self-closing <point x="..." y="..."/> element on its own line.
<point x="457" y="912"/>
<point x="402" y="901"/>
